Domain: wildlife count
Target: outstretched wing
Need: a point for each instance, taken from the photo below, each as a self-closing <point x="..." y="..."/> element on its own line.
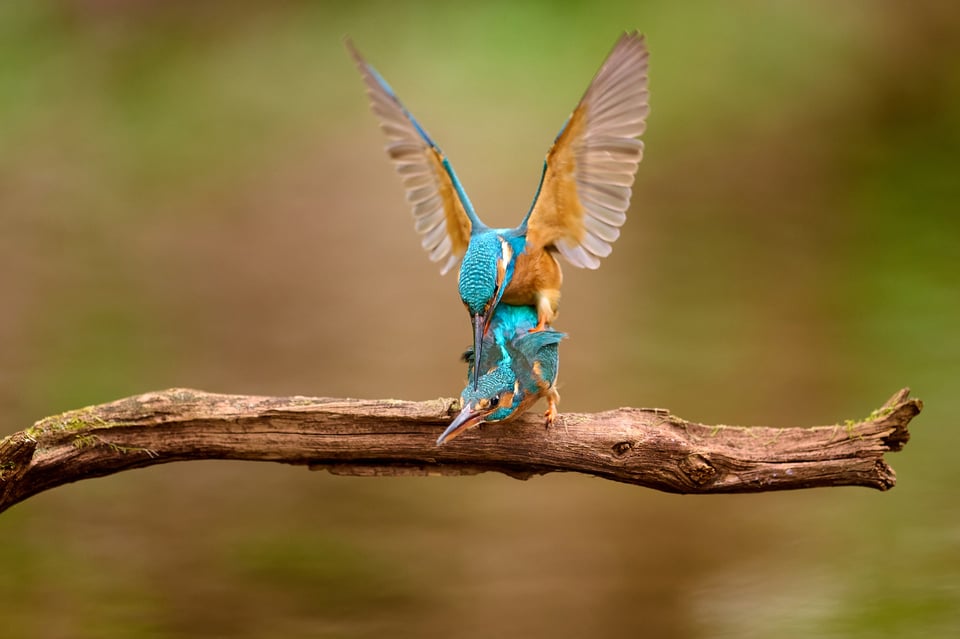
<point x="587" y="177"/>
<point x="443" y="215"/>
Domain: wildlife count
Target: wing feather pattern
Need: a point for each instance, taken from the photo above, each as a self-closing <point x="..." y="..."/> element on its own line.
<point x="442" y="212"/>
<point x="588" y="174"/>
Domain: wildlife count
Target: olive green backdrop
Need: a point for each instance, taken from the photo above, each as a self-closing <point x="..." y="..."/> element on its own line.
<point x="195" y="194"/>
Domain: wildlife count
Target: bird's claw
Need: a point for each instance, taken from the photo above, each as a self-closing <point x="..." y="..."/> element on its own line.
<point x="550" y="416"/>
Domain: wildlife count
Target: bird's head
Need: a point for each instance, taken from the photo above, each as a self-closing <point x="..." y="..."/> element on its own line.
<point x="495" y="397"/>
<point x="486" y="271"/>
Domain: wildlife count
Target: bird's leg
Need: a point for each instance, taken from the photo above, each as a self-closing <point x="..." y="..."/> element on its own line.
<point x="545" y="312"/>
<point x="551" y="415"/>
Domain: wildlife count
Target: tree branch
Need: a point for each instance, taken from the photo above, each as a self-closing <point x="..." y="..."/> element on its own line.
<point x="647" y="447"/>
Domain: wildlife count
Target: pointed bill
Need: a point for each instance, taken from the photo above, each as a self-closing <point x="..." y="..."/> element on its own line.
<point x="479" y="328"/>
<point x="468" y="418"/>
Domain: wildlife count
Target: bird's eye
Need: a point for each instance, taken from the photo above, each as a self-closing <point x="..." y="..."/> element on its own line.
<point x="494" y="401"/>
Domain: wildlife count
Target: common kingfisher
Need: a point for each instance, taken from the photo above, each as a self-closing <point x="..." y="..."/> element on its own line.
<point x="577" y="211"/>
<point x="517" y="367"/>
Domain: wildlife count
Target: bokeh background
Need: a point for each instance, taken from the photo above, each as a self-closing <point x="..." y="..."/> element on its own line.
<point x="195" y="194"/>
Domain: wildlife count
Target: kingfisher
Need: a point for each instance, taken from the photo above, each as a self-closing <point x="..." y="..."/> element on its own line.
<point x="517" y="367"/>
<point x="578" y="208"/>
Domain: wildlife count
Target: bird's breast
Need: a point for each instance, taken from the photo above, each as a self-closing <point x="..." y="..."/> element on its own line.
<point x="534" y="272"/>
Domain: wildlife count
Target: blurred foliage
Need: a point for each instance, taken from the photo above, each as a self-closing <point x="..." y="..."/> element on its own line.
<point x="194" y="194"/>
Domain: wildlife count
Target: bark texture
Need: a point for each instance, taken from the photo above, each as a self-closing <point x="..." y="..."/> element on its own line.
<point x="647" y="447"/>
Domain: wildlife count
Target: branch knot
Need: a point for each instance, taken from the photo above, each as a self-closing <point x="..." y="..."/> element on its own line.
<point x="698" y="469"/>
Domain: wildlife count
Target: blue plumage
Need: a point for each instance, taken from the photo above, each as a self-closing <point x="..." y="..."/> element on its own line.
<point x="579" y="206"/>
<point x="516" y="368"/>
<point x="510" y="279"/>
<point x="486" y="272"/>
<point x="478" y="273"/>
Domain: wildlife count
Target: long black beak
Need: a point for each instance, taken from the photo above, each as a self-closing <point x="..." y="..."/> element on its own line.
<point x="468" y="418"/>
<point x="479" y="328"/>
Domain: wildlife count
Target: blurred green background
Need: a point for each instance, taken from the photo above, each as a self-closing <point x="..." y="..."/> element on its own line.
<point x="195" y="194"/>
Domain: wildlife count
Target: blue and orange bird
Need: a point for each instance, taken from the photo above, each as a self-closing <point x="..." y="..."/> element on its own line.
<point x="577" y="211"/>
<point x="518" y="366"/>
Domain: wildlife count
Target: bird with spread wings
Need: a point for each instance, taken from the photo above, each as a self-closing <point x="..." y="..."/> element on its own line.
<point x="580" y="203"/>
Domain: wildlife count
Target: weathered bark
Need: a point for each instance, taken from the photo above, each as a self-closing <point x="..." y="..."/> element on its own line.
<point x="647" y="447"/>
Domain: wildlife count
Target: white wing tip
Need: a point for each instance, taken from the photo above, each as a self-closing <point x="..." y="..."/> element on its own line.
<point x="449" y="264"/>
<point x="578" y="256"/>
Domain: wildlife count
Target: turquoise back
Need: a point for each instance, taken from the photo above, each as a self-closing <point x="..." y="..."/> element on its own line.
<point x="510" y="351"/>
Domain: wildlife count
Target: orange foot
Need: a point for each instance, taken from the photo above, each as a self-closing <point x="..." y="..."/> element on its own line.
<point x="541" y="326"/>
<point x="551" y="414"/>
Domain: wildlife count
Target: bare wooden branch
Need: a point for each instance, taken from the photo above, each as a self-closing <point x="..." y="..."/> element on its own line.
<point x="647" y="447"/>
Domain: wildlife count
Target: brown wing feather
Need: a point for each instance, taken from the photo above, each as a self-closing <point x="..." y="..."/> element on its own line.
<point x="440" y="216"/>
<point x="457" y="223"/>
<point x="558" y="213"/>
<point x="589" y="171"/>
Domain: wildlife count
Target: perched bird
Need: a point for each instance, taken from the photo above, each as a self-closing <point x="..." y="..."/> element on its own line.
<point x="578" y="208"/>
<point x="518" y="367"/>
